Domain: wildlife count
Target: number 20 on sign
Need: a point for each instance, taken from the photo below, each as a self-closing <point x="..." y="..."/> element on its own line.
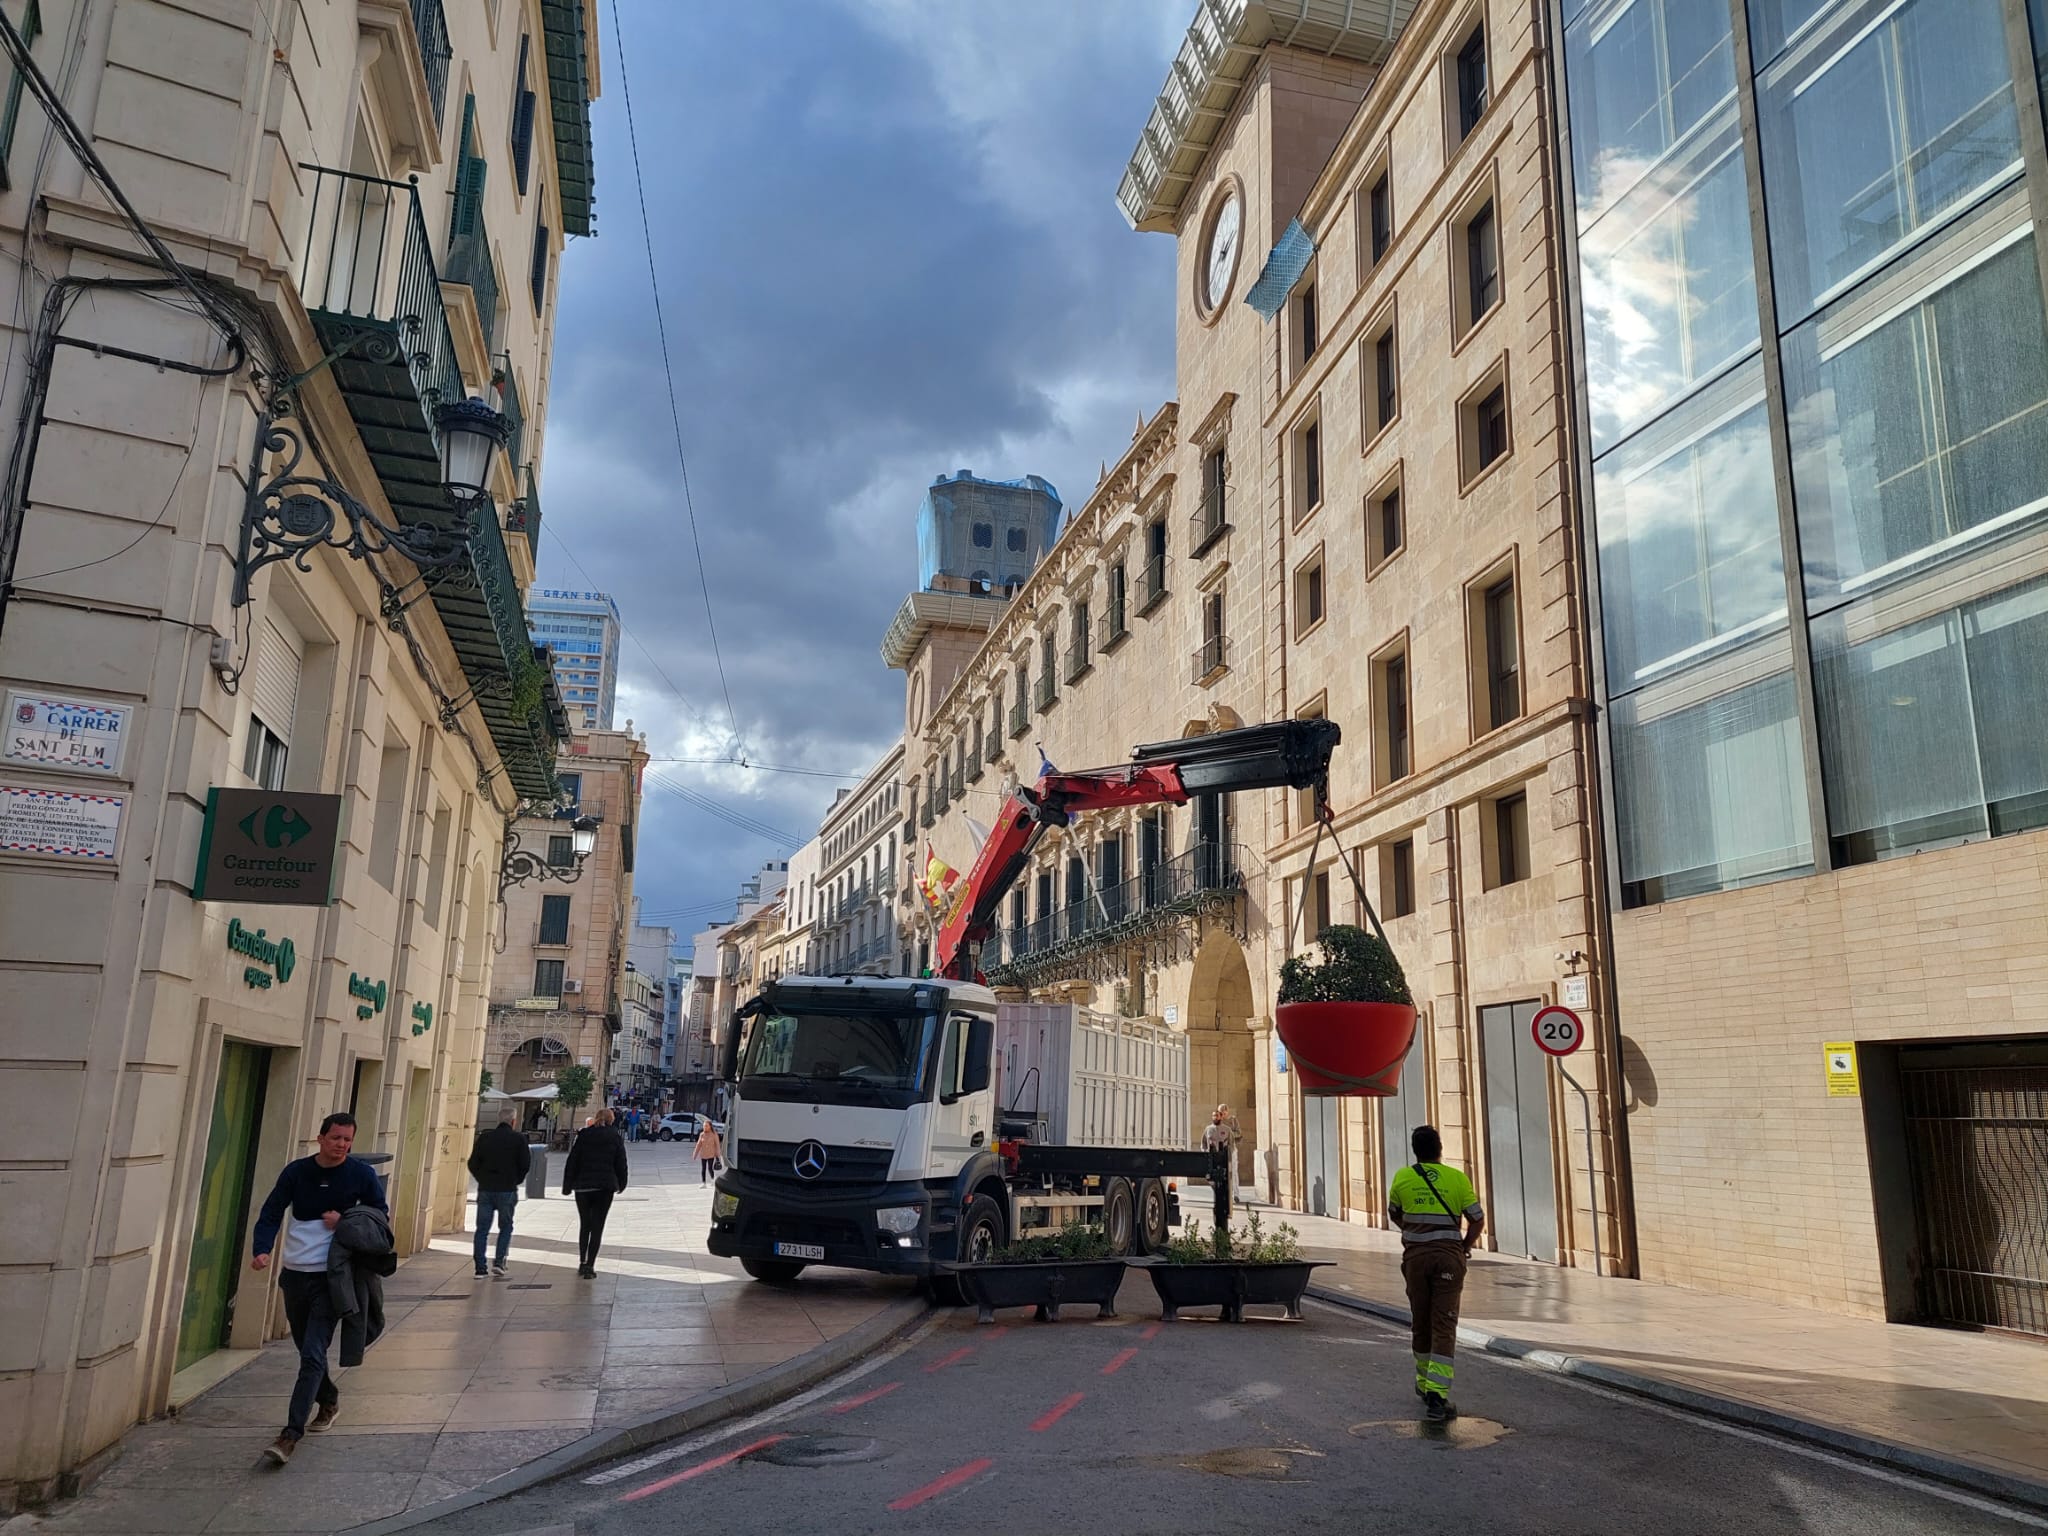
<point x="1557" y="1031"/>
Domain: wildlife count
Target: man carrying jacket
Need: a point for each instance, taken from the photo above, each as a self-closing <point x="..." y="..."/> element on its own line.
<point x="1440" y="1218"/>
<point x="499" y="1164"/>
<point x="311" y="1196"/>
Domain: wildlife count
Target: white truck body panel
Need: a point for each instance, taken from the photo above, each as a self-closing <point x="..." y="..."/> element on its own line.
<point x="1094" y="1080"/>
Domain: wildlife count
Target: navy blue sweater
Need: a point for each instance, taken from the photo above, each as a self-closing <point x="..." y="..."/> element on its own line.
<point x="312" y="1191"/>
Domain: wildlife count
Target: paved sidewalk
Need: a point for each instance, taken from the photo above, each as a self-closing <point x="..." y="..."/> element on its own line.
<point x="473" y="1378"/>
<point x="1976" y="1401"/>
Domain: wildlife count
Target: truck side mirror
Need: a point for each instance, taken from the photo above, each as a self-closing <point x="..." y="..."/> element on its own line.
<point x="981" y="1035"/>
<point x="729" y="1054"/>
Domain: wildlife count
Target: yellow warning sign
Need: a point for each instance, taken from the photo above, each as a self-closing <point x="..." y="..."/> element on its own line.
<point x="1840" y="1056"/>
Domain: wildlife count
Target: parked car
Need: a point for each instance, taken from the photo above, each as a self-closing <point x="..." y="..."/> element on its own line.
<point x="683" y="1127"/>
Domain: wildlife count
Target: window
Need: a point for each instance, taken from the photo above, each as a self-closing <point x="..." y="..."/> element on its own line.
<point x="1383" y="399"/>
<point x="1490" y="425"/>
<point x="1308" y="594"/>
<point x="561" y="852"/>
<point x="1470" y="72"/>
<point x="1308" y="471"/>
<point x="10" y="114"/>
<point x="1152" y="579"/>
<point x="388" y="820"/>
<point x="1397" y="878"/>
<point x="538" y="275"/>
<point x="1317" y="916"/>
<point x="547" y="978"/>
<point x="1015" y="538"/>
<point x="1210" y="659"/>
<point x="1390" y="718"/>
<point x="1115" y="624"/>
<point x="554" y="920"/>
<point x="1482" y="265"/>
<point x="1048" y="663"/>
<point x="1379" y="217"/>
<point x="263" y="758"/>
<point x="1305" y="319"/>
<point x="437" y="863"/>
<point x="1876" y="125"/>
<point x="1210" y="517"/>
<point x="524" y="99"/>
<point x="984" y="536"/>
<point x="1643" y="75"/>
<point x="1507" y="839"/>
<point x="1384" y="529"/>
<point x="1501" y="693"/>
<point x="571" y="786"/>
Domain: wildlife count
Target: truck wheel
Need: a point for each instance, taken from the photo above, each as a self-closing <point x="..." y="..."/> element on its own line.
<point x="772" y="1271"/>
<point x="1151" y="1219"/>
<point x="1118" y="1217"/>
<point x="981" y="1230"/>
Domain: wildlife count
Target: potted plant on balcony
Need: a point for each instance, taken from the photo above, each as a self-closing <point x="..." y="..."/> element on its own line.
<point x="1230" y="1270"/>
<point x="1348" y="1020"/>
<point x="1071" y="1267"/>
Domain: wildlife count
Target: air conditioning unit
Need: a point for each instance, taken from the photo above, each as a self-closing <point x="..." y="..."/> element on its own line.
<point x="571" y="986"/>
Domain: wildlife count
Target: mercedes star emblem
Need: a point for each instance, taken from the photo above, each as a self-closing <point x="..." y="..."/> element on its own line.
<point x="809" y="1161"/>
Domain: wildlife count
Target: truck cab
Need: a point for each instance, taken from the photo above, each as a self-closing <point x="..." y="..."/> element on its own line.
<point x="862" y="1125"/>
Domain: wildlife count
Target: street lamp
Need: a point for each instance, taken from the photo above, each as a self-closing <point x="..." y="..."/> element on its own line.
<point x="519" y="865"/>
<point x="472" y="435"/>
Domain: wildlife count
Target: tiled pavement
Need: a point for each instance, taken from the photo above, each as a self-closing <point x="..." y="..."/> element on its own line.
<point x="1974" y="1398"/>
<point x="472" y="1378"/>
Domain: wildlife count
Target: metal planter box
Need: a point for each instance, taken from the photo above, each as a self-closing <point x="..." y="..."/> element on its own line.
<point x="1232" y="1286"/>
<point x="1047" y="1286"/>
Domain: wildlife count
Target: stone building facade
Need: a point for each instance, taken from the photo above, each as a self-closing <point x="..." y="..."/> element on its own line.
<point x="304" y="268"/>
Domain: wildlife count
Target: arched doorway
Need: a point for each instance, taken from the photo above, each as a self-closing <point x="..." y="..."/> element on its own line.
<point x="1223" y="1064"/>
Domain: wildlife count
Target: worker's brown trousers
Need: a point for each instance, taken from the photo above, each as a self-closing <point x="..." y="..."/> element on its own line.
<point x="1435" y="1273"/>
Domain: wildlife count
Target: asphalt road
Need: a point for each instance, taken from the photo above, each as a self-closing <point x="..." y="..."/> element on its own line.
<point x="1270" y="1427"/>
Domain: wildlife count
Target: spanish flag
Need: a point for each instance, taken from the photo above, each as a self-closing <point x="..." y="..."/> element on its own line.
<point x="940" y="878"/>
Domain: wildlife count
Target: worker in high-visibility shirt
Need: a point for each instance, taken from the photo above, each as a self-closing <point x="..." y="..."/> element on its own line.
<point x="1440" y="1219"/>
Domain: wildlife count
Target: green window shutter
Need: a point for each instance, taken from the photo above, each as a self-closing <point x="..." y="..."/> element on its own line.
<point x="469" y="195"/>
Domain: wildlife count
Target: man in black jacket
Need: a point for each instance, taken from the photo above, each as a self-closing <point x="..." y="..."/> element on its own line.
<point x="596" y="1171"/>
<point x="499" y="1164"/>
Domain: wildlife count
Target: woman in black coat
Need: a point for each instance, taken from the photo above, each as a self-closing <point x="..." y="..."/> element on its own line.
<point x="596" y="1171"/>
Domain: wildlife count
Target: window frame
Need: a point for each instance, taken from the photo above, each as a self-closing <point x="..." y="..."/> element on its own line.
<point x="1311" y="595"/>
<point x="1468" y="98"/>
<point x="1378" y="552"/>
<point x="1475" y="425"/>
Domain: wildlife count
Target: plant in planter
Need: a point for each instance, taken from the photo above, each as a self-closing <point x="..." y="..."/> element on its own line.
<point x="1228" y="1269"/>
<point x="1073" y="1266"/>
<point x="1348" y="1020"/>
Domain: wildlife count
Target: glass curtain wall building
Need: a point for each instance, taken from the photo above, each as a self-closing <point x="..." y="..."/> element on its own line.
<point x="1814" y="391"/>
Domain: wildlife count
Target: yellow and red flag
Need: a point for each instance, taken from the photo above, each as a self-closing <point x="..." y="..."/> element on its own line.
<point x="940" y="880"/>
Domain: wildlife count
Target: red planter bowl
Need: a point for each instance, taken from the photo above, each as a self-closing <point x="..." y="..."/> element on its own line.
<point x="1348" y="1050"/>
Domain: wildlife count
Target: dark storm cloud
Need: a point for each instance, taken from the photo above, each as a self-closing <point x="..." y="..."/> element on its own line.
<point x="888" y="248"/>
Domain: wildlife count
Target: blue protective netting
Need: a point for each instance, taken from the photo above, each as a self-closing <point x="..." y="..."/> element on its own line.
<point x="1283" y="269"/>
<point x="1017" y="519"/>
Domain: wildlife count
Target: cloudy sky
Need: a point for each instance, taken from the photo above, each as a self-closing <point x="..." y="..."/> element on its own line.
<point x="888" y="247"/>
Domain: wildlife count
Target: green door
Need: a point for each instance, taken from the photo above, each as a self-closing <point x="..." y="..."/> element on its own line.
<point x="223" y="1202"/>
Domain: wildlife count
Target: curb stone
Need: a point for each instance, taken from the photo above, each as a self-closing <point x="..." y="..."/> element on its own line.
<point x="1988" y="1481"/>
<point x="743" y="1396"/>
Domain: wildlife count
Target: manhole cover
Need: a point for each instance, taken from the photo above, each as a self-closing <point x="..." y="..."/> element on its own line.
<point x="463" y="1297"/>
<point x="819" y="1451"/>
<point x="1461" y="1434"/>
<point x="529" y="1287"/>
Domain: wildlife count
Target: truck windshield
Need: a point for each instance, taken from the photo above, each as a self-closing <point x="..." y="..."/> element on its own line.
<point x="865" y="1058"/>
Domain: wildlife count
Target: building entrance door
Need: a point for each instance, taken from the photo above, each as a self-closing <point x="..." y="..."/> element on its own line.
<point x="1522" y="1204"/>
<point x="1322" y="1156"/>
<point x="1400" y="1114"/>
<point x="224" y="1185"/>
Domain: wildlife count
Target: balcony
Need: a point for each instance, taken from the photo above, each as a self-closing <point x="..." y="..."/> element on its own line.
<point x="523" y="516"/>
<point x="1116" y="629"/>
<point x="1210" y="662"/>
<point x="470" y="265"/>
<point x="1020" y="721"/>
<point x="1079" y="661"/>
<point x="959" y="784"/>
<point x="1209" y="523"/>
<point x="977" y="760"/>
<point x="1151" y="585"/>
<point x="1048" y="692"/>
<point x="368" y="280"/>
<point x="1205" y="877"/>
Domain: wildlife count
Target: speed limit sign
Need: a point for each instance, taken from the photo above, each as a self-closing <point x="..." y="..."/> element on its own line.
<point x="1557" y="1030"/>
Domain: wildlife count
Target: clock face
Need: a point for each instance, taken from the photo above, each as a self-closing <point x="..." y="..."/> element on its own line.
<point x="1221" y="262"/>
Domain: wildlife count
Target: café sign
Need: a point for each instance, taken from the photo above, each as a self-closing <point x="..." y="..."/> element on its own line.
<point x="270" y="846"/>
<point x="88" y="736"/>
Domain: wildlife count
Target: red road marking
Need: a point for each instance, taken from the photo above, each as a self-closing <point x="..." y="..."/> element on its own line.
<point x="998" y="1331"/>
<point x="953" y="1359"/>
<point x="1152" y="1332"/>
<point x="946" y="1484"/>
<point x="866" y="1397"/>
<point x="1119" y="1361"/>
<point x="1055" y="1413"/>
<point x="700" y="1469"/>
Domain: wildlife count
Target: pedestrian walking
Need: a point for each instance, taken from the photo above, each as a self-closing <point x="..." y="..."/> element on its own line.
<point x="499" y="1163"/>
<point x="310" y="1198"/>
<point x="1222" y="1149"/>
<point x="707" y="1152"/>
<point x="594" y="1172"/>
<point x="1440" y="1218"/>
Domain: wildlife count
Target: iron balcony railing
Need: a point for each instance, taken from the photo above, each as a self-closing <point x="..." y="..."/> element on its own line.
<point x="924" y="818"/>
<point x="1209" y="522"/>
<point x="1115" y="628"/>
<point x="368" y="258"/>
<point x="1048" y="690"/>
<point x="1209" y="658"/>
<point x="1020" y="718"/>
<point x="1079" y="660"/>
<point x="1152" y="585"/>
<point x="977" y="760"/>
<point x="942" y="789"/>
<point x="506" y="386"/>
<point x="523" y="516"/>
<point x="1173" y="884"/>
<point x="958" y="788"/>
<point x="469" y="262"/>
<point x="430" y="25"/>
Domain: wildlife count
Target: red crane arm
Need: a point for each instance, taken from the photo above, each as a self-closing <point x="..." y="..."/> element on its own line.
<point x="1290" y="753"/>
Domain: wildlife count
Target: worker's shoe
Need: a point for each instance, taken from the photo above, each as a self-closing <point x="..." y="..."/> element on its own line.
<point x="323" y="1418"/>
<point x="1437" y="1409"/>
<point x="279" y="1451"/>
